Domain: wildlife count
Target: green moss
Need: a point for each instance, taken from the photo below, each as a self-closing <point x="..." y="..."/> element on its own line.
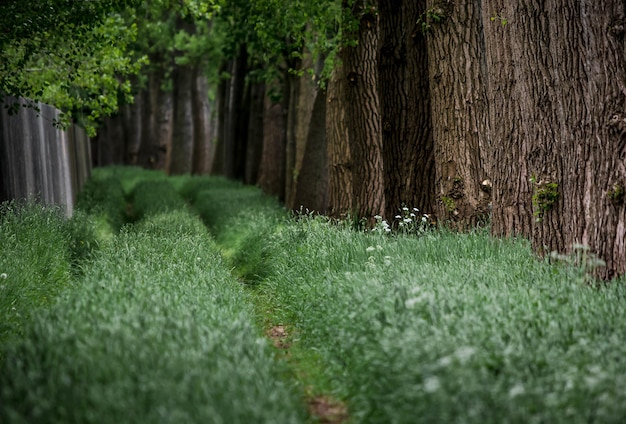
<point x="448" y="203"/>
<point x="545" y="195"/>
<point x="616" y="194"/>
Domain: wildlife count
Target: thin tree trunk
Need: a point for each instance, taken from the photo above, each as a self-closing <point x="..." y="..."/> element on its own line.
<point x="338" y="148"/>
<point x="202" y="125"/>
<point x="272" y="168"/>
<point x="184" y="132"/>
<point x="312" y="183"/>
<point x="306" y="98"/>
<point x="255" y="133"/>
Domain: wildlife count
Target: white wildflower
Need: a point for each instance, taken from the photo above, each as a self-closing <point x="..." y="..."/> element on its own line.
<point x="431" y="384"/>
<point x="516" y="390"/>
<point x="370" y="249"/>
<point x="398" y="217"/>
<point x="405" y="208"/>
<point x="445" y="361"/>
<point x="3" y="276"/>
<point x="464" y="353"/>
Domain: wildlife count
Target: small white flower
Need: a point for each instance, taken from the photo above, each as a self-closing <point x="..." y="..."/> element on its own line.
<point x="370" y="249"/>
<point x="412" y="215"/>
<point x="408" y="220"/>
<point x="464" y="353"/>
<point x="379" y="247"/>
<point x="431" y="384"/>
<point x="398" y="217"/>
<point x="516" y="390"/>
<point x="405" y="208"/>
<point x="416" y="210"/>
<point x="378" y="217"/>
<point x="445" y="361"/>
<point x="3" y="276"/>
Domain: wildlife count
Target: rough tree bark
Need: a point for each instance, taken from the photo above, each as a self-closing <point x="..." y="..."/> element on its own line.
<point x="557" y="92"/>
<point x="459" y="110"/>
<point x="405" y="107"/>
<point x="361" y="105"/>
<point x="338" y="148"/>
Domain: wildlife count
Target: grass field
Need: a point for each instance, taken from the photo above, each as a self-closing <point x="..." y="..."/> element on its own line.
<point x="162" y="313"/>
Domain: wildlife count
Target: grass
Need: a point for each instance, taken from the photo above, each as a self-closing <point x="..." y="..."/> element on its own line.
<point x="156" y="330"/>
<point x="34" y="262"/>
<point x="440" y="327"/>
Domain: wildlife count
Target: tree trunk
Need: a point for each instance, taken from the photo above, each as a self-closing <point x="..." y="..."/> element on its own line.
<point x="184" y="132"/>
<point x="220" y="151"/>
<point x="202" y="151"/>
<point x="338" y="148"/>
<point x="132" y="117"/>
<point x="293" y="84"/>
<point x="272" y="168"/>
<point x="361" y="105"/>
<point x="235" y="118"/>
<point x="156" y="110"/>
<point x="458" y="109"/>
<point x="255" y="133"/>
<point x="305" y="100"/>
<point x="312" y="182"/>
<point x="557" y="91"/>
<point x="405" y="108"/>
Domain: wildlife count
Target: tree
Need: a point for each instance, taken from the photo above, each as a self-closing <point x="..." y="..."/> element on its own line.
<point x="459" y="109"/>
<point x="556" y="93"/>
<point x="405" y="107"/>
<point x="359" y="99"/>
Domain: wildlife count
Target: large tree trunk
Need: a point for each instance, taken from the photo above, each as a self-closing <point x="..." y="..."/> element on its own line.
<point x="405" y="108"/>
<point x="459" y="110"/>
<point x="338" y="148"/>
<point x="557" y="92"/>
<point x="361" y="106"/>
<point x="312" y="183"/>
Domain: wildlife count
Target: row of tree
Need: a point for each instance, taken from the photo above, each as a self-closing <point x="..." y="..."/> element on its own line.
<point x="511" y="112"/>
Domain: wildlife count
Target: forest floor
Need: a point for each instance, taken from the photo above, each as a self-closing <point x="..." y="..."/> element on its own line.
<point x="197" y="299"/>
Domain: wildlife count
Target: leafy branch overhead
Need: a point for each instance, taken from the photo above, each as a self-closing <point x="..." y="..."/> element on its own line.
<point x="79" y="55"/>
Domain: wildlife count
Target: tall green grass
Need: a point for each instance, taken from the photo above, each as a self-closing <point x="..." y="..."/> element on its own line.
<point x="157" y="330"/>
<point x="439" y="328"/>
<point x="34" y="262"/>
